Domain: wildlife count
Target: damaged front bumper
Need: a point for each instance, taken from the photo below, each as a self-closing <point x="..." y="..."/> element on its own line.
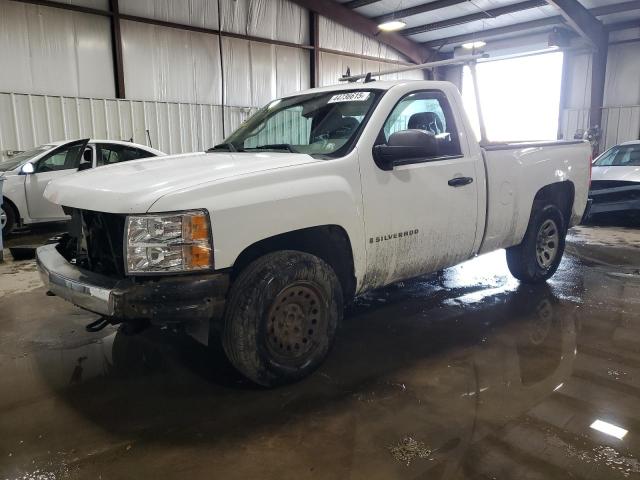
<point x="160" y="301"/>
<point x="610" y="196"/>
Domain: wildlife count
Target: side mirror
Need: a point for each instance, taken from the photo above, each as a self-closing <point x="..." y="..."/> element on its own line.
<point x="405" y="145"/>
<point x="27" y="169"/>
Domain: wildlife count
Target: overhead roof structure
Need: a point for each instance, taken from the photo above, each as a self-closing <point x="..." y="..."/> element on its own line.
<point x="446" y="24"/>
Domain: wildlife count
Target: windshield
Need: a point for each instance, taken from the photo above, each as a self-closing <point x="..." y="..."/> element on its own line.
<point x="13" y="162"/>
<point x="317" y="124"/>
<point x="620" y="156"/>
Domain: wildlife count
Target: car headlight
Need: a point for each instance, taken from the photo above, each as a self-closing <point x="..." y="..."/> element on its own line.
<point x="168" y="243"/>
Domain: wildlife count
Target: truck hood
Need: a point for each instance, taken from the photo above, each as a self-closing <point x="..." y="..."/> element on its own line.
<point x="134" y="186"/>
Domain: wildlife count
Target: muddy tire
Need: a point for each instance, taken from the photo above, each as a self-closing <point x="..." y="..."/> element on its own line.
<point x="537" y="258"/>
<point x="7" y="218"/>
<point x="281" y="317"/>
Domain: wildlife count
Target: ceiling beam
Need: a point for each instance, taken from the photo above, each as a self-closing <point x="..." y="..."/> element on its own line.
<point x="438" y="4"/>
<point x="615" y="8"/>
<point x="353" y="20"/>
<point x="495" y="32"/>
<point x="614" y="27"/>
<point x="543" y="22"/>
<point x="473" y="17"/>
<point x="359" y="3"/>
<point x="582" y="21"/>
<point x="418" y="9"/>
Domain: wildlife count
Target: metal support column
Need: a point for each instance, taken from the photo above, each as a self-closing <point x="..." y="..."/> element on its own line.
<point x="116" y="45"/>
<point x="1" y="245"/>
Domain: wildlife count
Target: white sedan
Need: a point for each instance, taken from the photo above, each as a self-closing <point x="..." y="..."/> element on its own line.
<point x="615" y="181"/>
<point x="27" y="174"/>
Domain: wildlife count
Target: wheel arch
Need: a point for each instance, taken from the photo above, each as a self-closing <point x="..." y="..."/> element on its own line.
<point x="561" y="194"/>
<point x="7" y="201"/>
<point x="331" y="243"/>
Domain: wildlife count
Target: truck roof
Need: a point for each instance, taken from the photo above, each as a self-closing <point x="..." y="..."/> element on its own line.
<point x="375" y="85"/>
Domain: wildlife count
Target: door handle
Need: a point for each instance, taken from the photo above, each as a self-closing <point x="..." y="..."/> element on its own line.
<point x="460" y="181"/>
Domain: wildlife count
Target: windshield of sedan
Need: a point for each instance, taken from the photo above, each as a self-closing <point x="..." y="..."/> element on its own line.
<point x="619" y="156"/>
<point x="317" y="124"/>
<point x="22" y="157"/>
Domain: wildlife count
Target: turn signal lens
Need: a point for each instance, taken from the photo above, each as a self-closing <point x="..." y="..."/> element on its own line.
<point x="197" y="257"/>
<point x="195" y="228"/>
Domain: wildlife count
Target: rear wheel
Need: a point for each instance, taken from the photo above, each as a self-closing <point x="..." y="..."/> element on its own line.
<point x="7" y="218"/>
<point x="537" y="258"/>
<point x="281" y="317"/>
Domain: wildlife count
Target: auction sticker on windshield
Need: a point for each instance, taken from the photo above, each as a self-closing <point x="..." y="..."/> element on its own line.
<point x="350" y="97"/>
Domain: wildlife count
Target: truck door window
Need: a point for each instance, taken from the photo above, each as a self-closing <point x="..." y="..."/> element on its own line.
<point x="428" y="111"/>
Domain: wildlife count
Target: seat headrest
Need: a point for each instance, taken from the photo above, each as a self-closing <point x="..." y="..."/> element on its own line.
<point x="429" y="121"/>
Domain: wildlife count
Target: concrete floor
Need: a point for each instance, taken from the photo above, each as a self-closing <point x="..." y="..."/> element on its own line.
<point x="463" y="374"/>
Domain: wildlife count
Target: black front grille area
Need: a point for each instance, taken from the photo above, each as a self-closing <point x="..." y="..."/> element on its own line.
<point x="604" y="184"/>
<point x="627" y="191"/>
<point x="95" y="242"/>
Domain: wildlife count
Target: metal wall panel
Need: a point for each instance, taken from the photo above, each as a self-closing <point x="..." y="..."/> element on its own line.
<point x="255" y="73"/>
<point x="291" y="70"/>
<point x="622" y="86"/>
<point x="333" y="66"/>
<point x="55" y="52"/>
<point x="168" y="64"/>
<point x="237" y="72"/>
<point x="196" y="13"/>
<point x="578" y="90"/>
<point x="619" y="123"/>
<point x="273" y="19"/>
<point x="98" y="4"/>
<point x="621" y="113"/>
<point x="30" y="120"/>
<point x="334" y="36"/>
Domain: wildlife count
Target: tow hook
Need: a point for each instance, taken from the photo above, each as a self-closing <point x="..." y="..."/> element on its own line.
<point x="98" y="325"/>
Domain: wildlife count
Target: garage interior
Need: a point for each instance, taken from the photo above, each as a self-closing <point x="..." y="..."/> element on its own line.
<point x="464" y="373"/>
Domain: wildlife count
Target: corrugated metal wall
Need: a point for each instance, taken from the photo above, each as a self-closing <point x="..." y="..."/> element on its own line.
<point x="28" y="120"/>
<point x="333" y="36"/>
<point x="619" y="124"/>
<point x="621" y="112"/>
<point x="58" y="81"/>
<point x="54" y="52"/>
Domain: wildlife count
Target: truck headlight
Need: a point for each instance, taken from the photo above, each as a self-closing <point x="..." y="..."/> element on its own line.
<point x="166" y="243"/>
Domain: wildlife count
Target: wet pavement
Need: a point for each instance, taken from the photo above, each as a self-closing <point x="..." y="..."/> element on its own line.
<point x="461" y="374"/>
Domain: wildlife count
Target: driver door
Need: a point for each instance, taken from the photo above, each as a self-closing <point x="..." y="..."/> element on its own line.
<point x="59" y="163"/>
<point x="421" y="215"/>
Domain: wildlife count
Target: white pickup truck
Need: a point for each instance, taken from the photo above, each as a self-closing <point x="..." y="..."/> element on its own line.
<point x="317" y="198"/>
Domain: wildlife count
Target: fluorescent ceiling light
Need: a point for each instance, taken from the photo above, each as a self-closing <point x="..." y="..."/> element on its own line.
<point x="472" y="45"/>
<point x="392" y="26"/>
<point x="609" y="429"/>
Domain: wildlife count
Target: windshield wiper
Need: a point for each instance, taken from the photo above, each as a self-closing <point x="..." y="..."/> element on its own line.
<point x="274" y="146"/>
<point x="223" y="146"/>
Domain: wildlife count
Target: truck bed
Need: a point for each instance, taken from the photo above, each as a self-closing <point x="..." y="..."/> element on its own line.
<point x="515" y="172"/>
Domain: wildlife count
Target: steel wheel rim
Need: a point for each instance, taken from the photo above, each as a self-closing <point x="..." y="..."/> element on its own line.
<point x="547" y="243"/>
<point x="295" y="322"/>
<point x="3" y="217"/>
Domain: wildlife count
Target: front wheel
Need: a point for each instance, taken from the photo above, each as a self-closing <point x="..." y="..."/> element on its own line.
<point x="537" y="258"/>
<point x="281" y="317"/>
